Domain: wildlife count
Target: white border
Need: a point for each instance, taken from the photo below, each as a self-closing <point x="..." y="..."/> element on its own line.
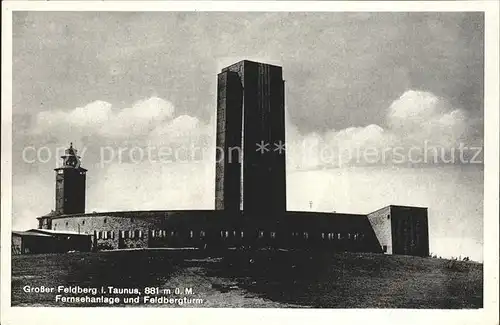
<point x="487" y="315"/>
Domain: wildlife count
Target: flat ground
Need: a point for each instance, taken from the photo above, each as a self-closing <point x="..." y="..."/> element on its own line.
<point x="256" y="279"/>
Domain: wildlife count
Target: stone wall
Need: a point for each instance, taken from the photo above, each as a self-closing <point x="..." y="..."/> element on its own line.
<point x="17" y="245"/>
<point x="380" y="222"/>
<point x="106" y="229"/>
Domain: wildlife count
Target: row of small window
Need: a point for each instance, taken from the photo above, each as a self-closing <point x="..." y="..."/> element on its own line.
<point x="105" y="234"/>
<point x="164" y="233"/>
<point x="234" y="233"/>
<point x="223" y="234"/>
<point x="305" y="235"/>
<point x="202" y="234"/>
<point x="338" y="236"/>
<point x="110" y="234"/>
<point x="241" y="234"/>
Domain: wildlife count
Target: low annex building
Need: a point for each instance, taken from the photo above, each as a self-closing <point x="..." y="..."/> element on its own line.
<point x="39" y="241"/>
<point x="250" y="192"/>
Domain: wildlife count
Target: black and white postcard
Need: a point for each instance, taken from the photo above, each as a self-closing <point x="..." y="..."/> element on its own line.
<point x="334" y="159"/>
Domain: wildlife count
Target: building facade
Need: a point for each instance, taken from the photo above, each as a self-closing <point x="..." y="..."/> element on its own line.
<point x="250" y="199"/>
<point x="251" y="115"/>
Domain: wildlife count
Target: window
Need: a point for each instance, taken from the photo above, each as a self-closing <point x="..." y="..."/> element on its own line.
<point x="242" y="234"/>
<point x="384" y="248"/>
<point x="124" y="234"/>
<point x="104" y="235"/>
<point x="153" y="233"/>
<point x="202" y="233"/>
<point x="349" y="235"/>
<point x="323" y="235"/>
<point x="83" y="222"/>
<point x="173" y="233"/>
<point x="338" y="236"/>
<point x="131" y="234"/>
<point x="388" y="217"/>
<point x="137" y="233"/>
<point x="227" y="234"/>
<point x="66" y="223"/>
<point x="111" y="234"/>
<point x="273" y="234"/>
<point x="261" y="234"/>
<point x="164" y="233"/>
<point x="132" y="220"/>
<point x="105" y="220"/>
<point x="191" y="234"/>
<point x="305" y="235"/>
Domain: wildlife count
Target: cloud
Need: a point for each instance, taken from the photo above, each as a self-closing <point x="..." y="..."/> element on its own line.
<point x="185" y="177"/>
<point x="120" y="147"/>
<point x="419" y="125"/>
<point x="422" y="116"/>
<point x="415" y="123"/>
<point x="183" y="129"/>
<point x="102" y="119"/>
<point x="413" y="109"/>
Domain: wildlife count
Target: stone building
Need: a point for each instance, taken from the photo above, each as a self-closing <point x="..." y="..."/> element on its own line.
<point x="250" y="199"/>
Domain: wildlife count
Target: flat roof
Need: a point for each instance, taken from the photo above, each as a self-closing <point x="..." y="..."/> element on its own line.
<point x="398" y="206"/>
<point x="209" y="213"/>
<point x="252" y="62"/>
<point x="27" y="233"/>
<point x="137" y="214"/>
<point x="49" y="232"/>
<point x="324" y="213"/>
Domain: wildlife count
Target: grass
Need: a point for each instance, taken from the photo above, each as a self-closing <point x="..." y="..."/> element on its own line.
<point x="350" y="280"/>
<point x="263" y="278"/>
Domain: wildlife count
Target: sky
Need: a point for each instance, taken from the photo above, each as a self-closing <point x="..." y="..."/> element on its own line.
<point x="381" y="108"/>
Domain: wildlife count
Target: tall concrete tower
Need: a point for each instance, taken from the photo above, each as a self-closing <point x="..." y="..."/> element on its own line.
<point x="250" y="168"/>
<point x="70" y="184"/>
